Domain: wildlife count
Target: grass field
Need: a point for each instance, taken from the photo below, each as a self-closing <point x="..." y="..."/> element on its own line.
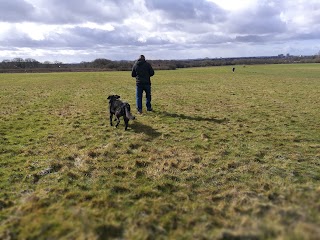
<point x="223" y="156"/>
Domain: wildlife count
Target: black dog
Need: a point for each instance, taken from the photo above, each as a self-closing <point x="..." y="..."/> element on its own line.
<point x="119" y="109"/>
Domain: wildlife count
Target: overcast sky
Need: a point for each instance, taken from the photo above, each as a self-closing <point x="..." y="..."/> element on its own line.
<point x="83" y="30"/>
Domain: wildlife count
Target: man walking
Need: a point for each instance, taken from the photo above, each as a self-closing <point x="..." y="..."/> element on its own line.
<point x="142" y="71"/>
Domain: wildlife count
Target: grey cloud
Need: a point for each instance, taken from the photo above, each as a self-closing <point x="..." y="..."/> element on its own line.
<point x="211" y="39"/>
<point x="64" y="12"/>
<point x="15" y="10"/>
<point x="175" y="27"/>
<point x="72" y="11"/>
<point x="91" y="37"/>
<point x="252" y="39"/>
<point x="16" y="39"/>
<point x="81" y="38"/>
<point x="199" y="10"/>
<point x="255" y="38"/>
<point x="120" y="36"/>
<point x="308" y="36"/>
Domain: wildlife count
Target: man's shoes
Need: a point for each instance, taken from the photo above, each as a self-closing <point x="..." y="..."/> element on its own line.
<point x="140" y="111"/>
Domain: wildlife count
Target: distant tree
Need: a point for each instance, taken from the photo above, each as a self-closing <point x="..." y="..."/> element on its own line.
<point x="19" y="62"/>
<point x="101" y="62"/>
<point x="84" y="64"/>
<point x="31" y="63"/>
<point x="317" y="58"/>
<point x="47" y="64"/>
<point x="30" y="60"/>
<point x="6" y="64"/>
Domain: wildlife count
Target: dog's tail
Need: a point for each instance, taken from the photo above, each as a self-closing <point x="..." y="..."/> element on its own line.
<point x="128" y="113"/>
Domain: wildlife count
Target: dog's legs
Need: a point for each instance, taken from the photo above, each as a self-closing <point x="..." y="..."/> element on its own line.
<point x="118" y="121"/>
<point x="111" y="116"/>
<point x="126" y="121"/>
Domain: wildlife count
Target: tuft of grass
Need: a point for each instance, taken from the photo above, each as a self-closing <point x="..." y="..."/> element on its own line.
<point x="223" y="155"/>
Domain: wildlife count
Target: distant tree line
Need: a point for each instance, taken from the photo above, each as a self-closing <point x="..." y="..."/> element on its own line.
<point x="17" y="65"/>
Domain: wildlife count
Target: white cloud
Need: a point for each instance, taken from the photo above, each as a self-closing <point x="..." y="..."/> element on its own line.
<point x="36" y="31"/>
<point x="92" y="25"/>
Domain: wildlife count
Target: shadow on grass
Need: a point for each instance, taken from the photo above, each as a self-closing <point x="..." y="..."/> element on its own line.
<point x="109" y="231"/>
<point x="139" y="127"/>
<point x="194" y="118"/>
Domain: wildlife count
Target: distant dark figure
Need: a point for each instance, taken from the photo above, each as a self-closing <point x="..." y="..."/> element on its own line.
<point x="233" y="69"/>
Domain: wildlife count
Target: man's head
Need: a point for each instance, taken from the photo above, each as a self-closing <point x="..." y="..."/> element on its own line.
<point x="142" y="57"/>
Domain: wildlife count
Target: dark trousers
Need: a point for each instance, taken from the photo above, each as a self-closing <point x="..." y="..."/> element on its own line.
<point x="139" y="94"/>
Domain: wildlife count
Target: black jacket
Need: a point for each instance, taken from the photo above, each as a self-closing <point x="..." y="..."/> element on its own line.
<point x="142" y="71"/>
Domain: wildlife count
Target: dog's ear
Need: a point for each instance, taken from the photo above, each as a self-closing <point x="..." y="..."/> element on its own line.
<point x="109" y="97"/>
<point x="117" y="96"/>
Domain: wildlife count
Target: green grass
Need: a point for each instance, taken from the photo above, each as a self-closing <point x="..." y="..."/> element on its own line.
<point x="223" y="156"/>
